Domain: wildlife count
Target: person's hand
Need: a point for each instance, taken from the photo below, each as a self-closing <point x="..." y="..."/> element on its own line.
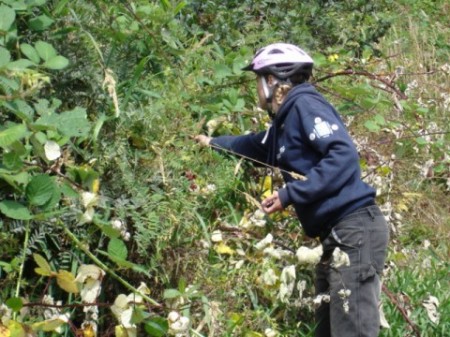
<point x="202" y="140"/>
<point x="272" y="203"/>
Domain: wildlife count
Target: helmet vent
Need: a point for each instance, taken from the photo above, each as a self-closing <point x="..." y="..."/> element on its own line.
<point x="275" y="51"/>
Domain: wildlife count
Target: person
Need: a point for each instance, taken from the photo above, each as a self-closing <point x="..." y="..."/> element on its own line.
<point x="308" y="137"/>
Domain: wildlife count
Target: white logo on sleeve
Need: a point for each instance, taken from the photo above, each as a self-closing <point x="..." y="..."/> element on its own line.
<point x="322" y="129"/>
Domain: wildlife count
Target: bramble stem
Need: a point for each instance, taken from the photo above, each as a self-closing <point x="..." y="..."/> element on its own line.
<point x="106" y="268"/>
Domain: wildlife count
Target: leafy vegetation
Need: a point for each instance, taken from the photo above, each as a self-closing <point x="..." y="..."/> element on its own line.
<point x="114" y="223"/>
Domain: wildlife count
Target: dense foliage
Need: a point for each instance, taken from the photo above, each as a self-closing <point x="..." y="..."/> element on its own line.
<point x="114" y="223"/>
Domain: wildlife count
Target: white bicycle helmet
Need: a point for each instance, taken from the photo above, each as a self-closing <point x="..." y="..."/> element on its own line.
<point x="281" y="60"/>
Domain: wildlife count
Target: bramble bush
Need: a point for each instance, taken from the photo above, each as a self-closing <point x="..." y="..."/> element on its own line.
<point x="115" y="223"/>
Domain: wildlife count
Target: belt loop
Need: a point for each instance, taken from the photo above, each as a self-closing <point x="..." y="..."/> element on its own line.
<point x="371" y="213"/>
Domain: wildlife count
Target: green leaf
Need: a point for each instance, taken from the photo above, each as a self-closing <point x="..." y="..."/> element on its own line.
<point x="221" y="71"/>
<point x="45" y="50"/>
<point x="156" y="326"/>
<point x="372" y="126"/>
<point x="421" y="141"/>
<point x="21" y="109"/>
<point x="53" y="202"/>
<point x="40" y="189"/>
<point x="15" y="210"/>
<point x="14" y="303"/>
<point x="7" y="17"/>
<point x="57" y="63"/>
<point x="12" y="134"/>
<point x="20" y="64"/>
<point x="12" y="161"/>
<point x="379" y="120"/>
<point x="15" y="180"/>
<point x="171" y="293"/>
<point x="139" y="315"/>
<point x="41" y="22"/>
<point x="5" y="56"/>
<point x="30" y="52"/>
<point x="117" y="249"/>
<point x="74" y="123"/>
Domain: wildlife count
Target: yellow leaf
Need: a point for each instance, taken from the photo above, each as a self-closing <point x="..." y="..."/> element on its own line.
<point x="402" y="207"/>
<point x="16" y="329"/>
<point x="267" y="183"/>
<point x="120" y="331"/>
<point x="95" y="185"/>
<point x="44" y="268"/>
<point x="66" y="281"/>
<point x="222" y="248"/>
<point x="4" y="331"/>
<point x="88" y="331"/>
<point x="252" y="200"/>
<point x="48" y="325"/>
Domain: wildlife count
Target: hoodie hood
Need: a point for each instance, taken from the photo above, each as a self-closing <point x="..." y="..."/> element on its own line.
<point x="304" y="88"/>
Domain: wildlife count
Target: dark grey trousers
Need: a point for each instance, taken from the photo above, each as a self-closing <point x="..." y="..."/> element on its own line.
<point x="364" y="236"/>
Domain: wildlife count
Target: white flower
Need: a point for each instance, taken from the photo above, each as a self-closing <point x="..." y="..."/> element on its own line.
<point x="52" y="150"/>
<point x="344" y="293"/>
<point x="431" y="305"/>
<point x="126" y="236"/>
<point x="216" y="236"/>
<point x="346" y="306"/>
<point x="307" y="255"/>
<point x="87" y="216"/>
<point x="90" y="291"/>
<point x="89" y="199"/>
<point x="90" y="276"/>
<point x="143" y="288"/>
<point x="264" y="242"/>
<point x="87" y="271"/>
<point x="276" y="253"/>
<point x="270" y="333"/>
<point x="301" y="287"/>
<point x="239" y="264"/>
<point x="269" y="277"/>
<point x="287" y="283"/>
<point x="340" y="258"/>
<point x="258" y="218"/>
<point x="178" y="325"/>
<point x="325" y="298"/>
<point x="173" y="316"/>
<point x="117" y="224"/>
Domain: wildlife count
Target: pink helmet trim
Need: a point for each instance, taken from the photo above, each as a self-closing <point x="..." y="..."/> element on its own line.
<point x="277" y="54"/>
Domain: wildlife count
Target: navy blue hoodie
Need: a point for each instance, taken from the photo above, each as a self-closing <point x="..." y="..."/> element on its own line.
<point x="308" y="137"/>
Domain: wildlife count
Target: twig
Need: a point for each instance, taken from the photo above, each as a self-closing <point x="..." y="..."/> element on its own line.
<point x="366" y="74"/>
<point x="402" y="310"/>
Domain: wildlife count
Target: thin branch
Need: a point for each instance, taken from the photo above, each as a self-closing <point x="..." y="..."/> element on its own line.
<point x="372" y="76"/>
<point x="402" y="310"/>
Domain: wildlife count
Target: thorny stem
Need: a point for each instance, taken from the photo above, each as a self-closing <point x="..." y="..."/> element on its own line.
<point x="24" y="255"/>
<point x="366" y="74"/>
<point x="106" y="268"/>
<point x="394" y="301"/>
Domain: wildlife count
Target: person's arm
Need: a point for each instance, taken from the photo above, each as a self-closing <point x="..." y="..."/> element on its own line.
<point x="249" y="146"/>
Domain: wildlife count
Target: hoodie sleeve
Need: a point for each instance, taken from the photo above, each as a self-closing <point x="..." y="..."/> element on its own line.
<point x="251" y="145"/>
<point x="338" y="162"/>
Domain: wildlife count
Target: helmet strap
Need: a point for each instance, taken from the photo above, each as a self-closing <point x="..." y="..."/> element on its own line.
<point x="268" y="93"/>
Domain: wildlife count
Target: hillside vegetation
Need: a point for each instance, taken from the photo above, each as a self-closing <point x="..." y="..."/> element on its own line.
<point x="113" y="222"/>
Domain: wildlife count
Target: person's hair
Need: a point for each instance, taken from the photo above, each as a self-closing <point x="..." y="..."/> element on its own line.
<point x="299" y="78"/>
<point x="281" y="91"/>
